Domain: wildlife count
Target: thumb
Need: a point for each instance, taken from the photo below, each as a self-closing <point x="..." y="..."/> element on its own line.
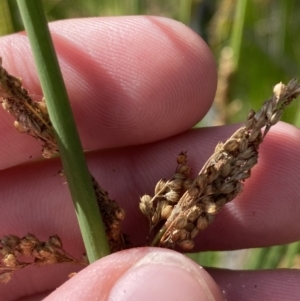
<point x="140" y="274"/>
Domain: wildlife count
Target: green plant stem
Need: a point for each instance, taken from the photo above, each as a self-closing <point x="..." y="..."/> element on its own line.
<point x="74" y="164"/>
<point x="237" y="31"/>
<point x="6" y="25"/>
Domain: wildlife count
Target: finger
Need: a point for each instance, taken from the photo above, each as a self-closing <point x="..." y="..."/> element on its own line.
<point x="140" y="274"/>
<point x="267" y="285"/>
<point x="131" y="80"/>
<point x="34" y="198"/>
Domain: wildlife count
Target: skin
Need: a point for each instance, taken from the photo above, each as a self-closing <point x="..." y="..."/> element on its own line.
<point x="137" y="84"/>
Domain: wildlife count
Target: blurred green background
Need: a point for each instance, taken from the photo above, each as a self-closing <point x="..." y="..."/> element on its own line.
<point x="256" y="44"/>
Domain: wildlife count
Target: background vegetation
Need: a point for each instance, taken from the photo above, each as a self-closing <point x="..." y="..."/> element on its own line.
<point x="256" y="44"/>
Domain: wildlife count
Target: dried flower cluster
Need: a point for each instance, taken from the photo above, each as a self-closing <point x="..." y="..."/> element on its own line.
<point x="41" y="253"/>
<point x="219" y="181"/>
<point x="32" y="118"/>
<point x="167" y="193"/>
<point x="180" y="207"/>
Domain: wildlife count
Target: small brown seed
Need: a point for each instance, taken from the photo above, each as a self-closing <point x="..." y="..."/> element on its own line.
<point x="242" y="176"/>
<point x="227" y="188"/>
<point x="187" y="184"/>
<point x="181" y="159"/>
<point x="184" y="170"/>
<point x="155" y="218"/>
<point x="159" y="186"/>
<point x="55" y="241"/>
<point x="231" y="145"/>
<point x="120" y="214"/>
<point x="193" y="192"/>
<point x="175" y="184"/>
<point x="211" y="208"/>
<point x="166" y="211"/>
<point x="10" y="261"/>
<point x="210" y="190"/>
<point x="183" y="234"/>
<point x="175" y="235"/>
<point x="212" y="173"/>
<point x="180" y="222"/>
<point x="178" y="175"/>
<point x="172" y="196"/>
<point x="279" y="90"/>
<point x="193" y="213"/>
<point x="225" y="170"/>
<point x="276" y="117"/>
<point x="202" y="223"/>
<point x="186" y="244"/>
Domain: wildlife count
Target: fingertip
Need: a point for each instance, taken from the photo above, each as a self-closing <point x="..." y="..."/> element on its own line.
<point x="131" y="80"/>
<point x="141" y="274"/>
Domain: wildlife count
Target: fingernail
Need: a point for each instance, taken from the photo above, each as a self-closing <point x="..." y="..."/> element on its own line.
<point x="163" y="276"/>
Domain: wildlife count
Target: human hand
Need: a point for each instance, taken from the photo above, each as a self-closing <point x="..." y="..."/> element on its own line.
<point x="133" y="81"/>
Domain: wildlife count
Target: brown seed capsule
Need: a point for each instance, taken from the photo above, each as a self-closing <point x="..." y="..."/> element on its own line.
<point x="172" y="196"/>
<point x="10" y="241"/>
<point x="183" y="234"/>
<point x="231" y="145"/>
<point x="186" y="244"/>
<point x="166" y="211"/>
<point x="26" y="246"/>
<point x="227" y="188"/>
<point x="120" y="214"/>
<point x="276" y="117"/>
<point x="193" y="213"/>
<point x="202" y="223"/>
<point x="249" y="123"/>
<point x="279" y="90"/>
<point x="20" y="127"/>
<point x="239" y="162"/>
<point x="247" y="153"/>
<point x="41" y="105"/>
<point x="175" y="235"/>
<point x="193" y="192"/>
<point x="184" y="170"/>
<point x="6" y="250"/>
<point x="178" y="175"/>
<point x="55" y="241"/>
<point x="159" y="186"/>
<point x="254" y="136"/>
<point x="180" y="222"/>
<point x="145" y="205"/>
<point x="155" y="218"/>
<point x="250" y="163"/>
<point x="225" y="170"/>
<point x="181" y="159"/>
<point x="175" y="184"/>
<point x="212" y="173"/>
<point x="187" y="184"/>
<point x="47" y="153"/>
<point x="10" y="261"/>
<point x="211" y="208"/>
<point x="44" y="252"/>
<point x="242" y="176"/>
<point x="210" y="190"/>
